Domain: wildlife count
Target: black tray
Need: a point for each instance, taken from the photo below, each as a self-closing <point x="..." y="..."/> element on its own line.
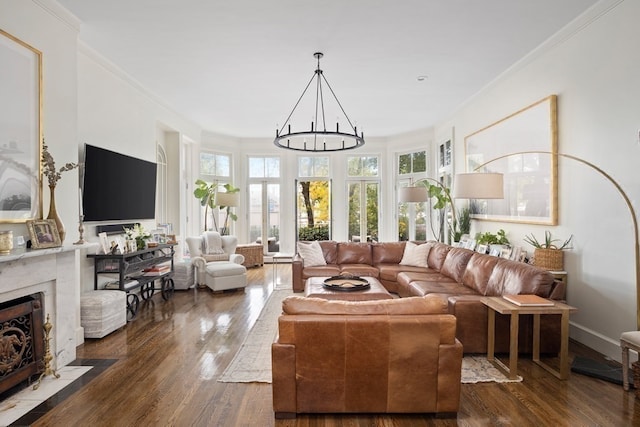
<point x="346" y="283"/>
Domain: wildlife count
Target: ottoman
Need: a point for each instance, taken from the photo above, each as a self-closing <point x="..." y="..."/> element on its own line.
<point x="102" y="312"/>
<point x="183" y="275"/>
<point x="222" y="275"/>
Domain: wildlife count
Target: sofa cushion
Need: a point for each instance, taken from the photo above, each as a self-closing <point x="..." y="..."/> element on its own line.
<point x="415" y="255"/>
<point x="330" y="251"/>
<point x="431" y="304"/>
<point x="391" y="271"/>
<point x="437" y="255"/>
<point x="455" y="263"/>
<point x="479" y="269"/>
<point x="312" y="254"/>
<point x="354" y="253"/>
<point x="449" y="288"/>
<point x="513" y="277"/>
<point x="387" y="252"/>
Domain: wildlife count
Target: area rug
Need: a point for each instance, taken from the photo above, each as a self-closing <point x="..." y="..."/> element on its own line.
<point x="252" y="363"/>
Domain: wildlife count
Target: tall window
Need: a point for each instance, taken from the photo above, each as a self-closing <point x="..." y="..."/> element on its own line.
<point x="412" y="217"/>
<point x="313" y="199"/>
<point x="264" y="202"/>
<point x="215" y="168"/>
<point x="363" y="197"/>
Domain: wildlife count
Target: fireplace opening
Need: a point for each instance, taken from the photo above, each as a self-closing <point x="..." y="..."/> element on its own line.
<point x="21" y="340"/>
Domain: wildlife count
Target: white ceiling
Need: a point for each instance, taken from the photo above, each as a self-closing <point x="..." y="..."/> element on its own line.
<point x="237" y="67"/>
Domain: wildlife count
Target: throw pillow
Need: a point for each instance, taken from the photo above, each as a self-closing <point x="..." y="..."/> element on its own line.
<point x="215" y="257"/>
<point x="312" y="254"/>
<point x="415" y="255"/>
<point x="213" y="242"/>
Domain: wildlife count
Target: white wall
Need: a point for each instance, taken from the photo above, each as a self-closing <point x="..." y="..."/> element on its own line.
<point x="592" y="66"/>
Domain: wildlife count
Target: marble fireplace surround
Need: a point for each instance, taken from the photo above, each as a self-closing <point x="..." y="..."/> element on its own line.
<point x="55" y="274"/>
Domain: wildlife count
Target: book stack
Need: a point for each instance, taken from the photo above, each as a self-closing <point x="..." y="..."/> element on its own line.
<point x="157" y="270"/>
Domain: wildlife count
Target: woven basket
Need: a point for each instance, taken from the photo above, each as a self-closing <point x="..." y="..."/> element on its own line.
<point x="549" y="259"/>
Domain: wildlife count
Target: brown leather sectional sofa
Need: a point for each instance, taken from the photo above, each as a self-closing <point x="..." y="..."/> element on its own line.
<point x="459" y="276"/>
<point x="383" y="356"/>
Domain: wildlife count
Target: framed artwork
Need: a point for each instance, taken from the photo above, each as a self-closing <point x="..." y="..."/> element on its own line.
<point x="20" y="130"/>
<point x="505" y="253"/>
<point x="523" y="147"/>
<point x="43" y="233"/>
<point x="482" y="249"/>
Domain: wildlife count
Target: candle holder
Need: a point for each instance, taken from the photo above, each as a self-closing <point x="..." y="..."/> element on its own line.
<point x="81" y="240"/>
<point x="48" y="357"/>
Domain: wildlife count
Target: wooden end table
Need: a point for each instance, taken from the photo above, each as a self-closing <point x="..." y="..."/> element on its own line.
<point x="502" y="306"/>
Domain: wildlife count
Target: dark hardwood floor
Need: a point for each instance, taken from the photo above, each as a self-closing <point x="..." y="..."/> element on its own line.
<point x="170" y="357"/>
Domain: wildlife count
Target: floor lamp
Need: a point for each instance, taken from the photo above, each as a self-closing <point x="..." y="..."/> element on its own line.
<point x="470" y="186"/>
<point x="226" y="201"/>
<point x="420" y="194"/>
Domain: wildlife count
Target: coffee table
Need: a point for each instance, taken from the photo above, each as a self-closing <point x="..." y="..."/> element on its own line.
<point x="314" y="288"/>
<point x="502" y="306"/>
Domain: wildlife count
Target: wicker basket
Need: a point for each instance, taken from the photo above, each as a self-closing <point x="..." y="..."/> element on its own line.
<point x="549" y="259"/>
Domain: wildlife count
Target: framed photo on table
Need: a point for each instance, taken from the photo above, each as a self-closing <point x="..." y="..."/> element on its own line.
<point x="43" y="233"/>
<point x="20" y="130"/>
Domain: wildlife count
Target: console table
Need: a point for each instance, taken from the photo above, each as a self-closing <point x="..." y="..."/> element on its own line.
<point x="131" y="275"/>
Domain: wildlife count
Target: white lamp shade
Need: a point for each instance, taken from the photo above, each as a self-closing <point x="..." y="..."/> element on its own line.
<point x="413" y="194"/>
<point x="478" y="186"/>
<point x="227" y="199"/>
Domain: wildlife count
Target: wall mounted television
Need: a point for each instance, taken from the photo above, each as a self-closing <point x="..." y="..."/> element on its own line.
<point x="117" y="187"/>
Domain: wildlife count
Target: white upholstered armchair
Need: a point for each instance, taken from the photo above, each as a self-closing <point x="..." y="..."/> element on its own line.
<point x="216" y="263"/>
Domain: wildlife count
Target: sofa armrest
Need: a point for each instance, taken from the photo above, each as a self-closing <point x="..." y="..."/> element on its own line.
<point x="297" y="265"/>
<point x="236" y="258"/>
<point x="200" y="266"/>
<point x="449" y="375"/>
<point x="283" y="372"/>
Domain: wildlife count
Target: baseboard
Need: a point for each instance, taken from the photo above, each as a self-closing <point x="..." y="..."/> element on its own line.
<point x="607" y="346"/>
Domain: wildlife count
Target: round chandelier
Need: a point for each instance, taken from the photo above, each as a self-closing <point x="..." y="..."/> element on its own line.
<point x="318" y="138"/>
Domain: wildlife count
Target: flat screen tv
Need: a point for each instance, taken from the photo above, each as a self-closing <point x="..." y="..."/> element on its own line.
<point x="117" y="187"/>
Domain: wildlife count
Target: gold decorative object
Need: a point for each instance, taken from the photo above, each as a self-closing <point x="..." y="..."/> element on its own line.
<point x="48" y="370"/>
<point x="6" y="242"/>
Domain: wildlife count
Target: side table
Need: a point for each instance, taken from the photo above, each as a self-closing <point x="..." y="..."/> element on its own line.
<point x="502" y="306"/>
<point x="278" y="256"/>
<point x="253" y="254"/>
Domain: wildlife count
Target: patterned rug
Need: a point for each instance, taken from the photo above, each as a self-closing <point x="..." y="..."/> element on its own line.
<point x="252" y="363"/>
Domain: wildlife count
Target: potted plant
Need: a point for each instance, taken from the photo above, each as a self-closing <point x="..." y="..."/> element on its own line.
<point x="495" y="241"/>
<point x="548" y="253"/>
<point x="206" y="192"/>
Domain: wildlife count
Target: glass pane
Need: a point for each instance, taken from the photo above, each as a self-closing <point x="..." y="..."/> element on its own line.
<point x="272" y="166"/>
<point x="313" y="210"/>
<point x="354" y="166"/>
<point x="420" y="161"/>
<point x="421" y="221"/>
<point x="255" y="212"/>
<point x="273" y="217"/>
<point x="256" y="167"/>
<point x="207" y="164"/>
<point x="372" y="211"/>
<point x="404" y="163"/>
<point x="223" y="165"/>
<point x="305" y="167"/>
<point x="370" y="166"/>
<point x="321" y="166"/>
<point x="354" y="213"/>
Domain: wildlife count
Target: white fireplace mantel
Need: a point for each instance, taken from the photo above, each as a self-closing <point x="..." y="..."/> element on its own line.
<point x="55" y="273"/>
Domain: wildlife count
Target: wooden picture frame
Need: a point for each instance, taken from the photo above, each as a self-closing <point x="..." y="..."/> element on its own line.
<point x="43" y="233"/>
<point x="522" y="147"/>
<point x="20" y="130"/>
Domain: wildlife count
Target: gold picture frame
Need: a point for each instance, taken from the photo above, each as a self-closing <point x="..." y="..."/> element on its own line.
<point x="43" y="233"/>
<point x="523" y="147"/>
<point x="20" y="130"/>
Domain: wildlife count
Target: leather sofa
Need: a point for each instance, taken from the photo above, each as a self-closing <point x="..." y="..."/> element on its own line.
<point x="385" y="356"/>
<point x="459" y="275"/>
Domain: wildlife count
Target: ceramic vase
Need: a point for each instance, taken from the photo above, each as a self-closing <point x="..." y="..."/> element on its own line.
<point x="53" y="213"/>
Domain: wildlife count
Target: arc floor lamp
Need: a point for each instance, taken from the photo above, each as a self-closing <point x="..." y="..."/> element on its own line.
<point x="475" y="185"/>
